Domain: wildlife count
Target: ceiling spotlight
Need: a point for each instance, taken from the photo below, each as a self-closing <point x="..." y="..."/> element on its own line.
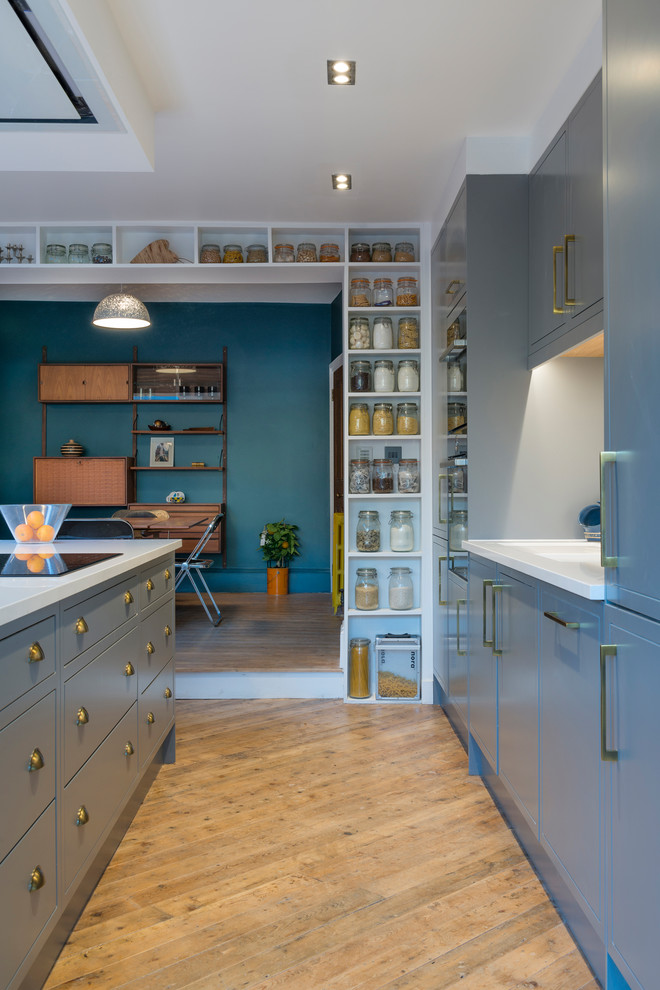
<point x="341" y="180"/>
<point x="341" y="73"/>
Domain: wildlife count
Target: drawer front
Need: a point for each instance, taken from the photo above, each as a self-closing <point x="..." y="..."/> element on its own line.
<point x="156" y="643"/>
<point x="25" y="912"/>
<point x="26" y="658"/>
<point x="96" y="791"/>
<point x="92" y="619"/>
<point x="156" y="580"/>
<point x="156" y="712"/>
<point x="83" y="481"/>
<point x="27" y="757"/>
<point x="96" y="698"/>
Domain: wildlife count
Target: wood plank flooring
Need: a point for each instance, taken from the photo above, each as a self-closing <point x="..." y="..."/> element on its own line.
<point x="258" y="632"/>
<point x="313" y="845"/>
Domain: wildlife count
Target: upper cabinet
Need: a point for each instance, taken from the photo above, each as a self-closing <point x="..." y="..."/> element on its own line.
<point x="566" y="234"/>
<point x="84" y="383"/>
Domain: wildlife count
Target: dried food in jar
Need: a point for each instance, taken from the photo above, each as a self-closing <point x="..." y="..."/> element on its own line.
<point x="404" y="251"/>
<point x="283" y="253"/>
<point x="382" y="422"/>
<point x="408" y="332"/>
<point x="408" y="376"/>
<point x="101" y="254"/>
<point x="358" y="419"/>
<point x="406" y="291"/>
<point x="381" y="251"/>
<point x="408" y="476"/>
<point x="383" y="333"/>
<point x="407" y="418"/>
<point x="453" y="333"/>
<point x="359" y="477"/>
<point x="367" y="531"/>
<point x="306" y="252"/>
<point x="329" y="252"/>
<point x="359" y="338"/>
<point x="233" y="255"/>
<point x="358" y="668"/>
<point x="256" y="254"/>
<point x="383" y="292"/>
<point x="384" y="376"/>
<point x="400" y="590"/>
<point x="391" y="685"/>
<point x="383" y="476"/>
<point x="360" y="252"/>
<point x="366" y="588"/>
<point x="401" y="531"/>
<point x="210" y="254"/>
<point x="456" y="416"/>
<point x="360" y="376"/>
<point x="360" y="294"/>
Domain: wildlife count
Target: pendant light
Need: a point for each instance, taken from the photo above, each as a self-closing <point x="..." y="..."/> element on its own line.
<point x="121" y="312"/>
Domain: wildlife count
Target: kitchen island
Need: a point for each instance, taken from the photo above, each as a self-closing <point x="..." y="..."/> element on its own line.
<point x="86" y="719"/>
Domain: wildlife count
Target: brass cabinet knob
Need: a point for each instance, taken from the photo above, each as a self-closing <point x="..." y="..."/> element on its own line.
<point x="151" y="718"/>
<point x="128" y="597"/>
<point x="82" y="716"/>
<point x="82" y="815"/>
<point x="167" y="631"/>
<point x="81" y="626"/>
<point x="129" y="669"/>
<point x="129" y="749"/>
<point x="150" y="648"/>
<point x="168" y="574"/>
<point x="150" y="585"/>
<point x="168" y="692"/>
<point x="35" y="653"/>
<point x="37" y="879"/>
<point x="36" y="761"/>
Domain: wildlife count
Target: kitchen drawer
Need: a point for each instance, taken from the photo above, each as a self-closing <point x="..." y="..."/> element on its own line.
<point x="27" y="657"/>
<point x="93" y="618"/>
<point x="156" y="643"/>
<point x="156" y="580"/>
<point x="28" y="741"/>
<point x="156" y="712"/>
<point x="95" y="792"/>
<point x="25" y="912"/>
<point x="100" y="693"/>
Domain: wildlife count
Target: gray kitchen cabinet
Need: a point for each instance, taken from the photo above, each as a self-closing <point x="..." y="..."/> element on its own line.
<point x="483" y="661"/>
<point x="457" y="647"/>
<point x="450" y="277"/>
<point x="440" y="586"/>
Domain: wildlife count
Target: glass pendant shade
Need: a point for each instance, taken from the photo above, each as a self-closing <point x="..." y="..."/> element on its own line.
<point x="121" y="312"/>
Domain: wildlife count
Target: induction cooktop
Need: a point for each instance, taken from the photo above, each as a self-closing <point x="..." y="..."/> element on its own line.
<point x="25" y="563"/>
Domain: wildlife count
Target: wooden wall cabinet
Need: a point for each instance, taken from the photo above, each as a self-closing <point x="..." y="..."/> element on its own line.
<point x="83" y="480"/>
<point x="84" y="383"/>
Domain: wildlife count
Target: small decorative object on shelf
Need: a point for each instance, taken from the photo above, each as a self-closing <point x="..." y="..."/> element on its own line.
<point x="156" y="253"/>
<point x="159" y="426"/>
<point x="72" y="449"/>
<point x="161" y="452"/>
<point x="176" y="497"/>
<point x="279" y="543"/>
<point x="15" y="255"/>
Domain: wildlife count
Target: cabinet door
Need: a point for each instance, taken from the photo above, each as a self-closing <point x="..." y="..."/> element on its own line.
<point x="457" y="645"/>
<point x="453" y="268"/>
<point x="107" y="383"/>
<point x="440" y="592"/>
<point x="516" y="636"/>
<point x="547" y="219"/>
<point x="482" y="659"/>
<point x="82" y="481"/>
<point x="61" y="382"/>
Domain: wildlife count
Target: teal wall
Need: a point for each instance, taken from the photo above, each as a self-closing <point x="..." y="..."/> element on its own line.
<point x="278" y="420"/>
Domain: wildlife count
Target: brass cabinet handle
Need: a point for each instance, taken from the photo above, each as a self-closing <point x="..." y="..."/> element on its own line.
<point x="37" y="879"/>
<point x="568" y="301"/>
<point x="440" y="599"/>
<point x="484" y="640"/>
<point x="81" y="625"/>
<point x="35" y="653"/>
<point x="151" y="718"/>
<point x="452" y="292"/>
<point x="167" y="631"/>
<point x="128" y="597"/>
<point x="441" y="478"/>
<point x="168" y="692"/>
<point x="459" y="651"/>
<point x="129" y="669"/>
<point x="36" y="761"/>
<point x="607" y="755"/>
<point x="150" y="648"/>
<point x="556" y="308"/>
<point x="82" y="815"/>
<point x="168" y="574"/>
<point x="497" y="591"/>
<point x="606" y="560"/>
<point x="82" y="716"/>
<point x="150" y="585"/>
<point x="554" y="616"/>
<point x="129" y="749"/>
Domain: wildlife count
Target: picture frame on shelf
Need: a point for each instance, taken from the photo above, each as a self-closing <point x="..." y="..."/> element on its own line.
<point x="161" y="452"/>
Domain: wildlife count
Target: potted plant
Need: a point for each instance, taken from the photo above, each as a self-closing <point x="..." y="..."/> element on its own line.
<point x="278" y="544"/>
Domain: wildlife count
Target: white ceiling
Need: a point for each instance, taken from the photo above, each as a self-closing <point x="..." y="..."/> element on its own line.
<point x="246" y="128"/>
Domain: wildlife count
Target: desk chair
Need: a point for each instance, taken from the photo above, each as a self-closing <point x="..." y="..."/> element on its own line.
<point x="95" y="529"/>
<point x="192" y="567"/>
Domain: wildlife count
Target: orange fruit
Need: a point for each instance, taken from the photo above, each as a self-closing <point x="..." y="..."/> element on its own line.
<point x="22" y="556"/>
<point x="45" y="533"/>
<point x="23" y="532"/>
<point x="45" y="556"/>
<point x="36" y="564"/>
<point x="35" y="519"/>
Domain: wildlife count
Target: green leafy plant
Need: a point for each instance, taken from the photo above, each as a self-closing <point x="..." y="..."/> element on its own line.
<point x="279" y="543"/>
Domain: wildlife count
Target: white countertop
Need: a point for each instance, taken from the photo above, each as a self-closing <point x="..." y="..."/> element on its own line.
<point x="21" y="596"/>
<point x="572" y="565"/>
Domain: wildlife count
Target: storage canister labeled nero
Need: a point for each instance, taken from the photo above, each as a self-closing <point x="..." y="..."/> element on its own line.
<point x="398" y="667"/>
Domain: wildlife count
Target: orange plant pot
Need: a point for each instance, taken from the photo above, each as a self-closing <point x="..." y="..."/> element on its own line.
<point x="277" y="579"/>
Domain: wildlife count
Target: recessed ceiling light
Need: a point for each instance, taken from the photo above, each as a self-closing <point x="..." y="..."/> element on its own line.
<point x="341" y="180"/>
<point x="340" y="72"/>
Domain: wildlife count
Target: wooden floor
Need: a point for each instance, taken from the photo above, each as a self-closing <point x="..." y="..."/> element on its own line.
<point x="258" y="632"/>
<point x="313" y="845"/>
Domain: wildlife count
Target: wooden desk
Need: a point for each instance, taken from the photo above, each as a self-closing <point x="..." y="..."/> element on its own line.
<point x="204" y="511"/>
<point x="153" y="525"/>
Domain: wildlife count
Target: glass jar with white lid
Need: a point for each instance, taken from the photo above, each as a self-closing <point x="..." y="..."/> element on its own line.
<point x="401" y="531"/>
<point x="383" y="333"/>
<point x="408" y="376"/>
<point x="400" y="588"/>
<point x="384" y="376"/>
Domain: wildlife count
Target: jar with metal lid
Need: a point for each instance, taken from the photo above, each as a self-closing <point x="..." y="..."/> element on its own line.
<point x="400" y="591"/>
<point x="358" y="668"/>
<point x="360" y="252"/>
<point x="384" y="376"/>
<point x="256" y="254"/>
<point x="358" y="419"/>
<point x="454" y="377"/>
<point x="283" y="253"/>
<point x="359" y="477"/>
<point x="382" y="422"/>
<point x="404" y="251"/>
<point x="406" y="291"/>
<point x="329" y="252"/>
<point x="366" y="588"/>
<point x="458" y="530"/>
<point x="457" y="478"/>
<point x="383" y="333"/>
<point x="408" y="375"/>
<point x="361" y="376"/>
<point x="408" y="476"/>
<point x="210" y="254"/>
<point x="233" y="255"/>
<point x="79" y="254"/>
<point x="453" y="333"/>
<point x="383" y="292"/>
<point x="383" y="476"/>
<point x="55" y="254"/>
<point x="456" y="416"/>
<point x="401" y="531"/>
<point x="407" y="418"/>
<point x="306" y="252"/>
<point x="359" y="335"/>
<point x="381" y="251"/>
<point x="408" y="333"/>
<point x="360" y="294"/>
<point x="367" y="531"/>
<point x="101" y="253"/>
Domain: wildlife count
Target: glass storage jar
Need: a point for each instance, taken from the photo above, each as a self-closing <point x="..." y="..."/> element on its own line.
<point x="401" y="531"/>
<point x="453" y="333"/>
<point x="458" y="530"/>
<point x="101" y="253"/>
<point x="383" y="292"/>
<point x="400" y="588"/>
<point x="358" y="419"/>
<point x="329" y="252"/>
<point x="408" y="376"/>
<point x="283" y="253"/>
<point x="407" y="418"/>
<point x="457" y="478"/>
<point x="404" y="251"/>
<point x="383" y="333"/>
<point x="361" y="376"/>
<point x="456" y="416"/>
<point x="454" y="377"/>
<point x="406" y="291"/>
<point x="360" y="252"/>
<point x="384" y="376"/>
<point x="382" y="422"/>
<point x="55" y="254"/>
<point x="233" y="255"/>
<point x="210" y="254"/>
<point x="381" y="251"/>
<point x="256" y="254"/>
<point x="408" y="332"/>
<point x="360" y="294"/>
<point x="359" y="477"/>
<point x="366" y="588"/>
<point x="367" y="531"/>
<point x="306" y="252"/>
<point x="408" y="476"/>
<point x="358" y="668"/>
<point x="79" y="254"/>
<point x="359" y="336"/>
<point x="383" y="476"/>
